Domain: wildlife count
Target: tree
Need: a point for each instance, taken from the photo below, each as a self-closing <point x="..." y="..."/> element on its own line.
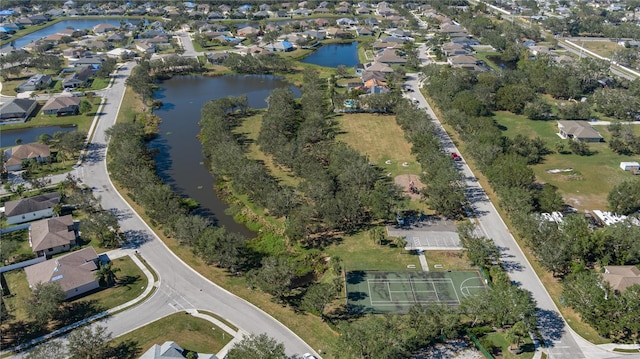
<point x="85" y="107"/>
<point x="342" y="71"/>
<point x="102" y="226"/>
<point x="377" y="235"/>
<point x="90" y="342"/>
<point x="481" y="251"/>
<point x="50" y="350"/>
<point x="106" y="274"/>
<point x="274" y="277"/>
<point x="624" y="198"/>
<point x="45" y="301"/>
<point x="316" y="298"/>
<point x="257" y="346"/>
<point x="517" y="333"/>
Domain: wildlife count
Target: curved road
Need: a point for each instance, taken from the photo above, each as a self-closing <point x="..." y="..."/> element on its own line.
<point x="559" y="340"/>
<point x="179" y="287"/>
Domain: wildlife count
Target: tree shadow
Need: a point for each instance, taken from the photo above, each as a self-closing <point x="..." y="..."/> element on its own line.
<point x="126" y="280"/>
<point x="551" y="325"/>
<point x="355" y="277"/>
<point x="79" y="310"/>
<point x="129" y="349"/>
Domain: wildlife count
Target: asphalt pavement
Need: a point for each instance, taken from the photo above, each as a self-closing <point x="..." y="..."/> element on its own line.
<point x="179" y="287"/>
<point x="560" y="340"/>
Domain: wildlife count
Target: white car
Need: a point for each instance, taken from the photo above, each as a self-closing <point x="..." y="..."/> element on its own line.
<point x="308" y="356"/>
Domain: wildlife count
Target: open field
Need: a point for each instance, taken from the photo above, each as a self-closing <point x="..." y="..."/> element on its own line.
<point x="359" y="252"/>
<point x="380" y="139"/>
<point x="191" y="333"/>
<point x="587" y="186"/>
<point x="602" y="48"/>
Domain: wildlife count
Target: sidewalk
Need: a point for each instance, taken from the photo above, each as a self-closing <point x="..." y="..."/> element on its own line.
<point x="237" y="335"/>
<point x="118" y="253"/>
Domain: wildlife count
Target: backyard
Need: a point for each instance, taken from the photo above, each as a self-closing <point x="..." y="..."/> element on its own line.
<point x="587" y="185"/>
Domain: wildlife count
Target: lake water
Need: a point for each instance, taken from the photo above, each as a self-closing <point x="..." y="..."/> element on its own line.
<point x="180" y="162"/>
<point x="333" y="55"/>
<point x="78" y="24"/>
<point x="28" y="135"/>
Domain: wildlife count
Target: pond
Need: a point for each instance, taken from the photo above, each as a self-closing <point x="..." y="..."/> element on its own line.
<point x="27" y="135"/>
<point x="179" y="161"/>
<point x="333" y="55"/>
<point x="78" y="24"/>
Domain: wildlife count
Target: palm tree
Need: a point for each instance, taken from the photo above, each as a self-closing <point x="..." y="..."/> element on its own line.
<point x="106" y="274"/>
<point x="377" y="235"/>
<point x="401" y="242"/>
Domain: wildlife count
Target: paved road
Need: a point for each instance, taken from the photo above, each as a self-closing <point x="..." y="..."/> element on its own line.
<point x="560" y="340"/>
<point x="179" y="287"/>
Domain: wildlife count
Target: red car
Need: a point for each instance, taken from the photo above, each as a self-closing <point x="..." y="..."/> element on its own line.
<point x="455" y="156"/>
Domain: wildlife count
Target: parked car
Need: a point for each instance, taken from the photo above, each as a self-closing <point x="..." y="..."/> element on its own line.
<point x="455" y="156"/>
<point x="308" y="356"/>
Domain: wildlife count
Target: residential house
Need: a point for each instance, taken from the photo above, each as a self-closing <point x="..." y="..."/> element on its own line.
<point x="31" y="208"/>
<point x="337" y="33"/>
<point x="16" y="155"/>
<point x="35" y="82"/>
<point x="371" y="21"/>
<point x="390" y="56"/>
<point x="89" y="61"/>
<point x="321" y="10"/>
<point x="280" y="46"/>
<point x="248" y="30"/>
<point x="452" y="29"/>
<point x="621" y="277"/>
<point x="346" y="22"/>
<point x="451" y="49"/>
<point x="159" y="41"/>
<point x="464" y="40"/>
<point x="314" y="34"/>
<point x="204" y="8"/>
<point x="116" y="37"/>
<point x="170" y="350"/>
<point x="464" y="61"/>
<point x="62" y="105"/>
<point x="104" y="28"/>
<point x="145" y="47"/>
<point x="52" y="236"/>
<point x="17" y="110"/>
<point x="321" y="22"/>
<point x="379" y="45"/>
<point x="301" y="12"/>
<point x="363" y="11"/>
<point x="76" y="53"/>
<point x="217" y="58"/>
<point x="74" y="272"/>
<point x="255" y="51"/>
<point x="78" y="79"/>
<point x="258" y="15"/>
<point x="214" y="15"/>
<point x="538" y="50"/>
<point x="342" y="10"/>
<point x="579" y="131"/>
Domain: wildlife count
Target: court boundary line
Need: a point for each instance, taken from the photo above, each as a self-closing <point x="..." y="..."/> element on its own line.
<point x="391" y="302"/>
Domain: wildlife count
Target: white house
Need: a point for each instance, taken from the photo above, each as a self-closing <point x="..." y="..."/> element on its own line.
<point x="32" y="208"/>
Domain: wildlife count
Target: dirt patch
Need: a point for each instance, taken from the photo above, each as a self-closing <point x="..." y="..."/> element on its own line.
<point x="406" y="182"/>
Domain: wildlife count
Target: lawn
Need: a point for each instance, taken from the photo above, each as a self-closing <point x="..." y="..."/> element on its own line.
<point x="602" y="48"/>
<point x="359" y="252"/>
<point x="587" y="186"/>
<point x="191" y="333"/>
<point x="83" y="121"/>
<point x="99" y="83"/>
<point x="498" y="340"/>
<point x="21" y="238"/>
<point x="380" y="139"/>
<point x="449" y="260"/>
<point x="131" y="283"/>
<point x="250" y="129"/>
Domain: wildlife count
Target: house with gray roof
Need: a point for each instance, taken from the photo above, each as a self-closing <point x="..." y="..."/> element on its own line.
<point x="62" y="105"/>
<point x="16" y="155"/>
<point x="170" y="350"/>
<point x="74" y="272"/>
<point x="31" y="208"/>
<point x="17" y="110"/>
<point x="78" y="79"/>
<point x="52" y="236"/>
<point x="35" y="82"/>
<point x="578" y="131"/>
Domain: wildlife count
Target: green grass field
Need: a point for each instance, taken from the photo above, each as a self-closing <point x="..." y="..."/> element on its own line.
<point x="602" y="48"/>
<point x="587" y="186"/>
<point x="380" y="139"/>
<point x="396" y="292"/>
<point x="191" y="333"/>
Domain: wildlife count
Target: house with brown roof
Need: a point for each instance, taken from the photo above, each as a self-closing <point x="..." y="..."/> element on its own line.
<point x="62" y="105"/>
<point x="621" y="277"/>
<point x="578" y="131"/>
<point x="52" y="236"/>
<point x="16" y="155"/>
<point x="390" y="56"/>
<point x="31" y="208"/>
<point x="248" y="30"/>
<point x="74" y="272"/>
<point x="102" y="28"/>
